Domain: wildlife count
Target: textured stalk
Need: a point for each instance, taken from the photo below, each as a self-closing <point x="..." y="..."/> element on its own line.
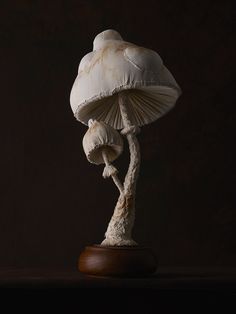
<point x="119" y="231"/>
<point x="113" y="174"/>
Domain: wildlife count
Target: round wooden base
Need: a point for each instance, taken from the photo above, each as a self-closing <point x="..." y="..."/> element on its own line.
<point x="115" y="261"/>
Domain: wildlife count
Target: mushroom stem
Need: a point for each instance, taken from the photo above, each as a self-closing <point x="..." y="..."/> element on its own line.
<point x="113" y="173"/>
<point x="119" y="231"/>
<point x="133" y="170"/>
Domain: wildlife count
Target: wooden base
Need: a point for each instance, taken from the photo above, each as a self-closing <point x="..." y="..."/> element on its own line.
<point x="114" y="261"/>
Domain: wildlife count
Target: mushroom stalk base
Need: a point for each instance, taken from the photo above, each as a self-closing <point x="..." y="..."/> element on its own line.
<point x="119" y="231"/>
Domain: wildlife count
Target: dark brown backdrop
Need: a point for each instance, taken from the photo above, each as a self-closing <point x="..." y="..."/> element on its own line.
<point x="53" y="201"/>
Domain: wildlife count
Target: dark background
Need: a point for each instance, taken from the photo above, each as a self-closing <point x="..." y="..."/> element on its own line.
<point x="53" y="201"/>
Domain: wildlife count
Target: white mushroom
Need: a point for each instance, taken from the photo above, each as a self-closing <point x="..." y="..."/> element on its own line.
<point x="113" y="66"/>
<point x="126" y="86"/>
<point x="102" y="145"/>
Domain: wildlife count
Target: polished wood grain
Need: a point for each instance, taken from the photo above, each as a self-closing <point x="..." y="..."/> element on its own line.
<point x="134" y="261"/>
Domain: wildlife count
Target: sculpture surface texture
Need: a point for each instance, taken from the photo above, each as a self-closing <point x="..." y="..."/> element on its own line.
<point x="119" y="88"/>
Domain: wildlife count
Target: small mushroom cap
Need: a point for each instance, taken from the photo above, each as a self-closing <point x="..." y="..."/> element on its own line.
<point x="100" y="138"/>
<point x="114" y="66"/>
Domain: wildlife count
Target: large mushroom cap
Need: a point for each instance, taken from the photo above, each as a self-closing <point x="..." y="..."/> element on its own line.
<point x="99" y="138"/>
<point x="114" y="66"/>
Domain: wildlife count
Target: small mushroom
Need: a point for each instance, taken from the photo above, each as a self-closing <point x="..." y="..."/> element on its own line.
<point x="102" y="144"/>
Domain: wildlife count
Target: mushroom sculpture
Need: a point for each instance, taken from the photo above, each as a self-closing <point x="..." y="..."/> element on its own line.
<point x="102" y="144"/>
<point x="120" y="86"/>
